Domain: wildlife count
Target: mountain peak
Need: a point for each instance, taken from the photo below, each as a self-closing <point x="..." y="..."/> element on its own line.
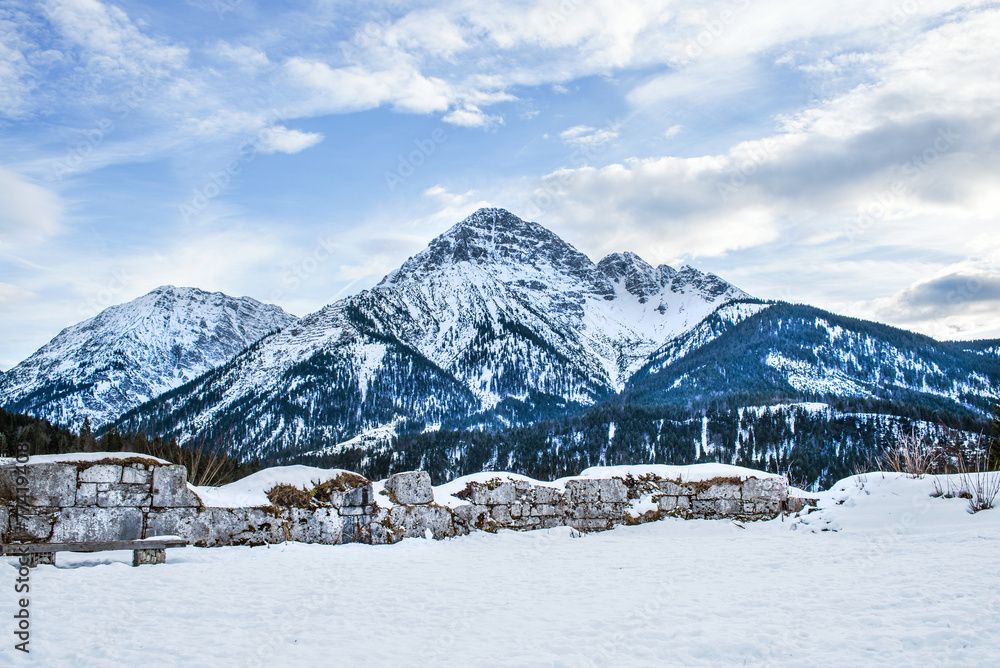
<point x="505" y="246"/>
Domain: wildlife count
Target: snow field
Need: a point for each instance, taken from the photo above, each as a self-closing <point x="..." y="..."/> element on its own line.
<point x="906" y="580"/>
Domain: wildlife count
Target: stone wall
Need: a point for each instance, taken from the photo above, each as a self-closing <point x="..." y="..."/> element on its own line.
<point x="133" y="498"/>
<point x="105" y="500"/>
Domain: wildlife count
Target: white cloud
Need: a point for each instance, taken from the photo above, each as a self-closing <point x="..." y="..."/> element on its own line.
<point x="29" y="213"/>
<point x="11" y="295"/>
<point x="673" y="131"/>
<point x="584" y="135"/>
<point x="104" y="31"/>
<point x="471" y="117"/>
<point x="279" y="139"/>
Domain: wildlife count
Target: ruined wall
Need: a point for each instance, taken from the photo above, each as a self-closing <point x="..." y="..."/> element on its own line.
<point x="106" y="500"/>
<point x="114" y="500"/>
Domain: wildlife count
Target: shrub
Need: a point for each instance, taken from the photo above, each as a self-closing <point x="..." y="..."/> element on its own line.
<point x="290" y="496"/>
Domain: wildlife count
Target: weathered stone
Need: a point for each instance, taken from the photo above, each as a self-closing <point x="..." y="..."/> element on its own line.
<point x="8" y="485"/>
<point x="471" y="517"/>
<point x="672" y="488"/>
<point x="769" y="487"/>
<point x="417" y="519"/>
<point x="583" y="491"/>
<point x="591" y="524"/>
<point x="323" y="525"/>
<point x="30" y="527"/>
<point x="170" y="488"/>
<point x="213" y="527"/>
<point x="546" y="495"/>
<point x="493" y="493"/>
<point x="121" y="495"/>
<point x="702" y="508"/>
<point x="667" y="503"/>
<point x="51" y="485"/>
<point x="613" y="490"/>
<point x="597" y="510"/>
<point x="98" y="525"/>
<point x="101" y="473"/>
<point x="721" y="490"/>
<point x="517" y="510"/>
<point x="501" y="515"/>
<point x="136" y="476"/>
<point x="728" y="507"/>
<point x="410" y="487"/>
<point x="540" y="510"/>
<point x="361" y="495"/>
<point x="86" y="494"/>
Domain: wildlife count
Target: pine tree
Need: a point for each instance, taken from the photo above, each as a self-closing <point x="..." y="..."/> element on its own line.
<point x="87" y="440"/>
<point x="993" y="454"/>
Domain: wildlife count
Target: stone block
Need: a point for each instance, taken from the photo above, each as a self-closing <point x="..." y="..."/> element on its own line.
<point x="668" y="503"/>
<point x="583" y="491"/>
<point x="546" y="495"/>
<point x="417" y="519"/>
<point x="134" y="475"/>
<point x="215" y="527"/>
<point x="544" y="510"/>
<point x="362" y="495"/>
<point x="323" y="525"/>
<point x="411" y="487"/>
<point x="120" y="495"/>
<point x="702" y="508"/>
<point x="98" y="525"/>
<point x="607" y="511"/>
<point x="613" y="490"/>
<point x="170" y="488"/>
<point x="471" y="517"/>
<point x="101" y="473"/>
<point x="493" y="493"/>
<point x="86" y="494"/>
<point x="51" y="485"/>
<point x="728" y="507"/>
<point x="761" y="488"/>
<point x="29" y="527"/>
<point x="501" y="515"/>
<point x="591" y="524"/>
<point x="672" y="488"/>
<point x="721" y="490"/>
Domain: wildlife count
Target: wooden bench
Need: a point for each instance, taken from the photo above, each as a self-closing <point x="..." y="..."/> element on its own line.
<point x="146" y="551"/>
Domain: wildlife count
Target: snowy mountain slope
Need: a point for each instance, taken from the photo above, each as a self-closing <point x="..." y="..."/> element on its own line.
<point x="496" y="314"/>
<point x="320" y="381"/>
<point x="133" y="352"/>
<point x="494" y="267"/>
<point x="800" y="352"/>
<point x="987" y="347"/>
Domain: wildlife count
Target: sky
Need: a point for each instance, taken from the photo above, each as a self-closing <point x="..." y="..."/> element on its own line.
<point x="844" y="155"/>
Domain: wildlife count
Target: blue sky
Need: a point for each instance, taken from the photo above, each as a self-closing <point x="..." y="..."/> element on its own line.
<point x="839" y="154"/>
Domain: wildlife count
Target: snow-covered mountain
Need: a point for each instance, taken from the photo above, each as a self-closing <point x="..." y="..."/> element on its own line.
<point x="795" y="352"/>
<point x="498" y="318"/>
<point x="133" y="352"/>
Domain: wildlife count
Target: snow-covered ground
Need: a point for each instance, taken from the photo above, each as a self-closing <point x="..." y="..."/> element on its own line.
<point x="897" y="578"/>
